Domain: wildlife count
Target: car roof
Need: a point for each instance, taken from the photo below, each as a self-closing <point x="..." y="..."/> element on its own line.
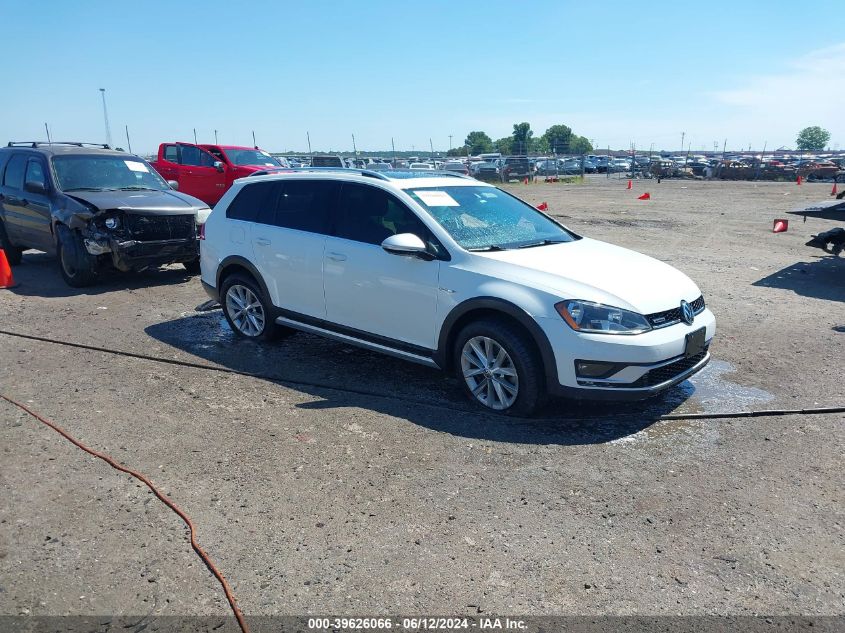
<point x="399" y="179"/>
<point x="67" y="150"/>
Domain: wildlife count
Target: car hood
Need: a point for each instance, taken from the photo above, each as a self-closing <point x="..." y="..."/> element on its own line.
<point x="163" y="202"/>
<point x="595" y="271"/>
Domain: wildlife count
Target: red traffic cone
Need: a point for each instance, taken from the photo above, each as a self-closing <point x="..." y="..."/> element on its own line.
<point x="525" y="182"/>
<point x="780" y="226"/>
<point x="542" y="206"/>
<point x="630" y="185"/>
<point x="7" y="280"/>
<point x="833" y="191"/>
<point x="645" y="196"/>
<point x="798" y="180"/>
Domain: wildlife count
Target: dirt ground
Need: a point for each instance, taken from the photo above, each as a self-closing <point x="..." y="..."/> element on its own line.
<point x="344" y="482"/>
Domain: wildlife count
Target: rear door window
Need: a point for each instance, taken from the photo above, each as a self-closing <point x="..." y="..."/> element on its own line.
<point x="13" y="177"/>
<point x="305" y="205"/>
<point x="196" y="157"/>
<point x="254" y="200"/>
<point x="371" y="215"/>
<point x="171" y="153"/>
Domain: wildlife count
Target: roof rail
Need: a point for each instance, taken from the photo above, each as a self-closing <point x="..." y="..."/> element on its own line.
<point x="48" y="143"/>
<point x="363" y="172"/>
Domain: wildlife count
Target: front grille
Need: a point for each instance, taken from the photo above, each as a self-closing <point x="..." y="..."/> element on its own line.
<point x="667" y="372"/>
<point x="150" y="228"/>
<point x="667" y="317"/>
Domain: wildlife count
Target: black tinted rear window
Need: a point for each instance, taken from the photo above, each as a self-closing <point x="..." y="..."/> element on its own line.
<point x="304" y="205"/>
<point x="251" y="200"/>
<point x="14" y="171"/>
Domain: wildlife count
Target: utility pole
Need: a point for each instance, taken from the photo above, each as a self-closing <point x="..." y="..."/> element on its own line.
<point x="308" y="136"/>
<point x="393" y="147"/>
<point x="195" y="137"/>
<point x="254" y="144"/>
<point x="128" y="142"/>
<point x="215" y="137"/>
<point x="683" y="134"/>
<point x="354" y="148"/>
<point x="450" y="142"/>
<point x="106" y="117"/>
<point x="431" y="146"/>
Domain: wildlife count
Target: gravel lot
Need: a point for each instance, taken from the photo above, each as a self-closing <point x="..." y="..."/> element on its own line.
<point x="346" y="482"/>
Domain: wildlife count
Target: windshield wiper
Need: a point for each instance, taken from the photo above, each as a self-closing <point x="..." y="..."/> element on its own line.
<point x="541" y="243"/>
<point x="88" y="189"/>
<point x="491" y="247"/>
<point x="137" y="188"/>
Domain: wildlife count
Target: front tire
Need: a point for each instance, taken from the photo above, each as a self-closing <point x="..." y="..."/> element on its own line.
<point x="248" y="311"/>
<point x="78" y="268"/>
<point x="13" y="253"/>
<point x="499" y="367"/>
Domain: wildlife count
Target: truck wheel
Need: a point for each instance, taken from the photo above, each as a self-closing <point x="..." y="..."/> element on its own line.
<point x="75" y="264"/>
<point x="13" y="253"/>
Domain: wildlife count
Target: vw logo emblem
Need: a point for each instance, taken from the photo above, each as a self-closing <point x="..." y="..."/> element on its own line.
<point x="687" y="313"/>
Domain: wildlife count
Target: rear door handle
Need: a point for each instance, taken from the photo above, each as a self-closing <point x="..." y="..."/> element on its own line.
<point x="262" y="241"/>
<point x="337" y="257"/>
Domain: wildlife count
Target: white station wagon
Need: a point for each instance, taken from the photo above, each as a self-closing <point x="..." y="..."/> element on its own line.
<point x="456" y="274"/>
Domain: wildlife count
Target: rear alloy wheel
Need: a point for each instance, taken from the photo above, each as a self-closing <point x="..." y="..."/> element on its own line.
<point x="499" y="367"/>
<point x="248" y="312"/>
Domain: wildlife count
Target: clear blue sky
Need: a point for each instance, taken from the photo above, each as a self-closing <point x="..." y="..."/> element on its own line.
<point x="616" y="72"/>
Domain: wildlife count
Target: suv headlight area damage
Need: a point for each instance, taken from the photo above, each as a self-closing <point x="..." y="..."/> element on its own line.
<point x="136" y="240"/>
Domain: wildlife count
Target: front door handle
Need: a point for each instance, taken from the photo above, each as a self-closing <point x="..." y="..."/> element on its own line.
<point x="262" y="241"/>
<point x="337" y="257"/>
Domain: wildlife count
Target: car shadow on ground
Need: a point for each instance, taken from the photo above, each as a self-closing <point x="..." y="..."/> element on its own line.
<point x="341" y="376"/>
<point x="821" y="279"/>
<point x="38" y="276"/>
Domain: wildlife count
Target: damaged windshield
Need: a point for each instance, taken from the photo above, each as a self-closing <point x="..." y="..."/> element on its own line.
<point x="100" y="173"/>
<point x="486" y="218"/>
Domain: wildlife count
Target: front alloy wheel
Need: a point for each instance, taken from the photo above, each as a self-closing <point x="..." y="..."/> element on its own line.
<point x="245" y="310"/>
<point x="489" y="373"/>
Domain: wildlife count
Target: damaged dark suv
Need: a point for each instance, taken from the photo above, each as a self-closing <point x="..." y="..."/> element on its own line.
<point x="94" y="207"/>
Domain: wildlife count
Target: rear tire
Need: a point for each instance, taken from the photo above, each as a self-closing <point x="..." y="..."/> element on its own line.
<point x="13" y="253"/>
<point x="499" y="368"/>
<point x="248" y="311"/>
<point x="78" y="268"/>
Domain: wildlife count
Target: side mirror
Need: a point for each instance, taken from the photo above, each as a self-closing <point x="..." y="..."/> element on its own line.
<point x="35" y="187"/>
<point x="173" y="185"/>
<point x="406" y="244"/>
<point x="218" y="165"/>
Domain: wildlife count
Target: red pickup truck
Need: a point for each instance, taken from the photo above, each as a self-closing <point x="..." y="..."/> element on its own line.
<point x="207" y="171"/>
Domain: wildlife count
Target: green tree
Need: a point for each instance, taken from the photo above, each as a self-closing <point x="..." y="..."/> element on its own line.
<point x="813" y="138"/>
<point x="580" y="145"/>
<point x="558" y="138"/>
<point x="478" y="142"/>
<point x="504" y="145"/>
<point x="457" y="151"/>
<point x="521" y="137"/>
<point x="539" y="145"/>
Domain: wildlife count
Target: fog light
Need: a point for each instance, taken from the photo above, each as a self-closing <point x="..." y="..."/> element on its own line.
<point x="595" y="368"/>
<point x="111" y="223"/>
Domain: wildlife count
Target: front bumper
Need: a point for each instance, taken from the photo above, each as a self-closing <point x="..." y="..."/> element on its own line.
<point x="136" y="255"/>
<point x="647" y="363"/>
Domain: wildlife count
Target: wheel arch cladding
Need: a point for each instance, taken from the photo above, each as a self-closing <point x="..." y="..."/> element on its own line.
<point x="493" y="307"/>
<point x="235" y="264"/>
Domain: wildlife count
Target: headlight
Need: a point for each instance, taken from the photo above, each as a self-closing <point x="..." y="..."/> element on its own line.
<point x="595" y="318"/>
<point x="112" y="223"/>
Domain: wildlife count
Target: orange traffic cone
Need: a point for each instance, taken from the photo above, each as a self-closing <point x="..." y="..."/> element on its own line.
<point x="798" y="180"/>
<point x="542" y="206"/>
<point x="645" y="196"/>
<point x="525" y="182"/>
<point x="7" y="280"/>
<point x="780" y="226"/>
<point x="833" y="191"/>
<point x="630" y="185"/>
